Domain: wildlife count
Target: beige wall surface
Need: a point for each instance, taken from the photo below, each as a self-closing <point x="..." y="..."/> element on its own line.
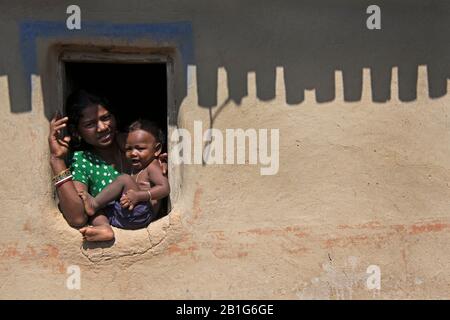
<point x="364" y="155"/>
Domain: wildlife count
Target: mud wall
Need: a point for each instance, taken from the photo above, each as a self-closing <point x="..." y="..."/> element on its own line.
<point x="364" y="153"/>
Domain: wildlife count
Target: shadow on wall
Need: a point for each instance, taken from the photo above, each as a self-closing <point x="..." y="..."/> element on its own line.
<point x="310" y="39"/>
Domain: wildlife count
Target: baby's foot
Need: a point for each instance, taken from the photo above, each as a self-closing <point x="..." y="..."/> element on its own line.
<point x="97" y="233"/>
<point x="90" y="205"/>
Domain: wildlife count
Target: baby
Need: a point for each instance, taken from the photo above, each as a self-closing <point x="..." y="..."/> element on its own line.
<point x="140" y="193"/>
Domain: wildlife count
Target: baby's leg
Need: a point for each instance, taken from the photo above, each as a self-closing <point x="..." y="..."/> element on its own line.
<point x="90" y="204"/>
<point x="99" y="231"/>
<point x="113" y="191"/>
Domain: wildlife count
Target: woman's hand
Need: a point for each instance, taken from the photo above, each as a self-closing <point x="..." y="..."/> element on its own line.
<point x="59" y="146"/>
<point x="163" y="163"/>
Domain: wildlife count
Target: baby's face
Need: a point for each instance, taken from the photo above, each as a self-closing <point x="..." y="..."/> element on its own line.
<point x="141" y="148"/>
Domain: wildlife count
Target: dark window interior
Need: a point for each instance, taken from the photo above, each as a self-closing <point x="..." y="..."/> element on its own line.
<point x="133" y="91"/>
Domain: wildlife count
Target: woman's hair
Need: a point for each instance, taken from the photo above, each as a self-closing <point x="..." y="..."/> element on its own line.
<point x="75" y="104"/>
<point x="149" y="126"/>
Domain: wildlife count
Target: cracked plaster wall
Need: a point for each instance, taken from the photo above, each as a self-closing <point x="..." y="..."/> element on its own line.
<point x="360" y="183"/>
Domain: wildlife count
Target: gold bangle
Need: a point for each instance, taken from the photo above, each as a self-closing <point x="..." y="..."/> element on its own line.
<point x="149" y="196"/>
<point x="62" y="181"/>
<point x="62" y="175"/>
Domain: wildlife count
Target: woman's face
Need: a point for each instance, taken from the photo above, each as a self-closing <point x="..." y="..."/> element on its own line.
<point x="97" y="126"/>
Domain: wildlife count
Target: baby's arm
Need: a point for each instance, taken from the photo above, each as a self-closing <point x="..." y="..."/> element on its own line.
<point x="111" y="192"/>
<point x="159" y="190"/>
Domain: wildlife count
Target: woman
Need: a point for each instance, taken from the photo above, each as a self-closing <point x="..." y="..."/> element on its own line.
<point x="91" y="126"/>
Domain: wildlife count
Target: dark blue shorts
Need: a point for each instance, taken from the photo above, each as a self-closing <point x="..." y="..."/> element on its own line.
<point x="140" y="217"/>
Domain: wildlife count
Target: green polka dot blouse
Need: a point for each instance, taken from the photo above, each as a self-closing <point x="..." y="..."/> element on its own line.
<point x="90" y="169"/>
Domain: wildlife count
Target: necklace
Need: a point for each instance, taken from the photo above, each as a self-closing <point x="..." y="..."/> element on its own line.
<point x="137" y="175"/>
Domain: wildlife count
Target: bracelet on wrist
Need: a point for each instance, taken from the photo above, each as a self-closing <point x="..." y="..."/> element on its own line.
<point x="62" y="181"/>
<point x="61" y="176"/>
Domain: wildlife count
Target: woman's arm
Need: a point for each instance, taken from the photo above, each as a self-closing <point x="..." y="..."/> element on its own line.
<point x="70" y="203"/>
